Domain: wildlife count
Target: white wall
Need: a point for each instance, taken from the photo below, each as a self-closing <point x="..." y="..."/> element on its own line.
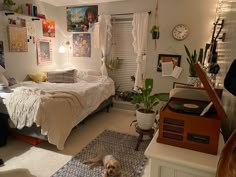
<point x="198" y="15"/>
<point x="18" y="64"/>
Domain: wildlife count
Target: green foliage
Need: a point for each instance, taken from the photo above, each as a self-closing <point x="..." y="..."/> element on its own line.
<point x="193" y="58"/>
<point x="9" y="3"/>
<point x="144" y="99"/>
<point x="154" y="29"/>
<point x="113" y="63"/>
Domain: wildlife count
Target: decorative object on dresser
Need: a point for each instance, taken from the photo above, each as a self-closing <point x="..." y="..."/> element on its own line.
<point x="8" y="4"/>
<point x="145" y="103"/>
<point x="192" y="131"/>
<point x="193" y="58"/>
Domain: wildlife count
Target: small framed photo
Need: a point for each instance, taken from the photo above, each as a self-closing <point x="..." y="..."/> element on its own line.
<point x="44" y="51"/>
<point x="167" y="58"/>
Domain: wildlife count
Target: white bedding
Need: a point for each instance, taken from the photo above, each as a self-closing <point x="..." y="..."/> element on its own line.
<point x="91" y="93"/>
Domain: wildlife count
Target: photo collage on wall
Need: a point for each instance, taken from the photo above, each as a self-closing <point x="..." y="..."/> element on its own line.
<point x="82" y="19"/>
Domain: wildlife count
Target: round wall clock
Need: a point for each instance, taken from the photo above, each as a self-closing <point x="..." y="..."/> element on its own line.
<point x="180" y="32"/>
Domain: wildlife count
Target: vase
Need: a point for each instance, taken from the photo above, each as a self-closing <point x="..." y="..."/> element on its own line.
<point x="155" y="35"/>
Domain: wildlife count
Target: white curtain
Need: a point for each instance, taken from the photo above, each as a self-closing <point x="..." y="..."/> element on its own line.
<point x="105" y="39"/>
<point x="140" y="33"/>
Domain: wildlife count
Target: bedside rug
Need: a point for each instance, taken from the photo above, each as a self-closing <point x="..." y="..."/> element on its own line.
<point x="120" y="145"/>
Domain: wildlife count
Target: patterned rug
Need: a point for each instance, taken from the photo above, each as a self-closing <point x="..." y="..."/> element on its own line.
<point x="120" y="145"/>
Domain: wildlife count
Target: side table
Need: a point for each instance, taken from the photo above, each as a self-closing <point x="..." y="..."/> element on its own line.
<point x="142" y="132"/>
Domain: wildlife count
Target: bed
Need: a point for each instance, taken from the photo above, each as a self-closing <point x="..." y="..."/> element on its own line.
<point x="57" y="107"/>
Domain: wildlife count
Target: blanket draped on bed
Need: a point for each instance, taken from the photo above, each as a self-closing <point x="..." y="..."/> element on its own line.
<point x="30" y="105"/>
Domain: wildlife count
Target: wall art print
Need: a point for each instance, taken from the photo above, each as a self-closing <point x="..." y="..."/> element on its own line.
<point x="44" y="51"/>
<point x="81" y="19"/>
<point x="2" y="59"/>
<point x="168" y="58"/>
<point x="48" y="28"/>
<point x="81" y="45"/>
<point x="17" y="37"/>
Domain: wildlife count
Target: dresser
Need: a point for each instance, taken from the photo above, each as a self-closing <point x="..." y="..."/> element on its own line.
<point x="171" y="161"/>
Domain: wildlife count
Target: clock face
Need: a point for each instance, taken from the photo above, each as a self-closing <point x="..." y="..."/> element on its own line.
<point x="180" y="32"/>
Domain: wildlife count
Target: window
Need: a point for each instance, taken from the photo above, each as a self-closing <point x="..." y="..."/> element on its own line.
<point x="122" y="48"/>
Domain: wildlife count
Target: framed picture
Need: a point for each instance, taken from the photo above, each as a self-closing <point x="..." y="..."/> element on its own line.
<point x="44" y="51"/>
<point x="81" y="19"/>
<point x="168" y="58"/>
<point x="81" y="45"/>
<point x="48" y="28"/>
<point x="17" y="36"/>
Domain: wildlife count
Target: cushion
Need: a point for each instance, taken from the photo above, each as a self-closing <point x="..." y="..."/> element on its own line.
<point x="3" y="80"/>
<point x="38" y="76"/>
<point x="66" y="76"/>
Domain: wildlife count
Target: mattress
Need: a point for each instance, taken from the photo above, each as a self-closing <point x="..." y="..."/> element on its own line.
<point x="93" y="92"/>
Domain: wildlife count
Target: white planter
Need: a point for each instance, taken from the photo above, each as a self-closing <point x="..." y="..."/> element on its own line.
<point x="145" y="120"/>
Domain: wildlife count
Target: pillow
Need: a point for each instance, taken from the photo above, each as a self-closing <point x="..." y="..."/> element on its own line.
<point x="38" y="77"/>
<point x="68" y="76"/>
<point x="3" y="80"/>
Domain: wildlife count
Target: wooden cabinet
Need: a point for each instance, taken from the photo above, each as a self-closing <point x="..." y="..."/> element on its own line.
<point x="171" y="161"/>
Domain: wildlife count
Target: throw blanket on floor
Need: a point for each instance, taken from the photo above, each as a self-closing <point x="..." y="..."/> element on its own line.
<point x="54" y="112"/>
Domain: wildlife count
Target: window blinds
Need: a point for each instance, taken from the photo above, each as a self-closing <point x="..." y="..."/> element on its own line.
<point x="122" y="48"/>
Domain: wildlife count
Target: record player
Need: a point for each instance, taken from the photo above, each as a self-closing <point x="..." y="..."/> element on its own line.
<point x="191" y="123"/>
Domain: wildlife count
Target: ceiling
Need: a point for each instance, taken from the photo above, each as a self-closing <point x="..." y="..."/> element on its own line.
<point x="76" y="2"/>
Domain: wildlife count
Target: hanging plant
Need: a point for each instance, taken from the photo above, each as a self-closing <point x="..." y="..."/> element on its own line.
<point x="155" y="32"/>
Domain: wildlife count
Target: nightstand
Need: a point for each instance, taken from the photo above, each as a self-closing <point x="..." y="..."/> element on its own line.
<point x="171" y="161"/>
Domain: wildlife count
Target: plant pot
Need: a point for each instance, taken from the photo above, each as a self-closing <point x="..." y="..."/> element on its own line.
<point x="145" y="120"/>
<point x="155" y="35"/>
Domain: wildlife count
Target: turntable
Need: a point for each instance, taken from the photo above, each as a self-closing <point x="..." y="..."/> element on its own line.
<point x="190" y="123"/>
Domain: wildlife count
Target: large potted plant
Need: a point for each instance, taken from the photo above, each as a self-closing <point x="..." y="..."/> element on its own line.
<point x="145" y="103"/>
<point x="193" y="58"/>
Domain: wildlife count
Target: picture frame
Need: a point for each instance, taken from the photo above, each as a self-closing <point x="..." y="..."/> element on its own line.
<point x="168" y="58"/>
<point x="17" y="37"/>
<point x="44" y="52"/>
<point x="82" y="45"/>
<point x="81" y="18"/>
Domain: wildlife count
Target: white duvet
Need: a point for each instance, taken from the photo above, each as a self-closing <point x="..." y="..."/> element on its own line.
<point x="57" y="107"/>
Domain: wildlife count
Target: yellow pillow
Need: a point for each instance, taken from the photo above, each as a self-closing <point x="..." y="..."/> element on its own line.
<point x="38" y="77"/>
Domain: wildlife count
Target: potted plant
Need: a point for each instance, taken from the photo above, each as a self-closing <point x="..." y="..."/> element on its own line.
<point x="8" y="4"/>
<point x="193" y="58"/>
<point x="145" y="102"/>
<point x="155" y="32"/>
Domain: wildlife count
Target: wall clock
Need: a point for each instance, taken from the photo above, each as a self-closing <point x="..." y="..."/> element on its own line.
<point x="180" y="32"/>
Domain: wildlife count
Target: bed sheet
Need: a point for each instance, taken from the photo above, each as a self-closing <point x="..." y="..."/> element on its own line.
<point x="93" y="92"/>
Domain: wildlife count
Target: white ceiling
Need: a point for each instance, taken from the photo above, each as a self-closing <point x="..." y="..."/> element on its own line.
<point x="76" y="2"/>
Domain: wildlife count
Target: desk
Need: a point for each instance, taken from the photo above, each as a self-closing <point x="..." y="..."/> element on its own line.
<point x="171" y="161"/>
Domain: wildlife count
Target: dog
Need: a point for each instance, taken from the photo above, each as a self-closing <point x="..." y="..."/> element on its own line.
<point x="112" y="166"/>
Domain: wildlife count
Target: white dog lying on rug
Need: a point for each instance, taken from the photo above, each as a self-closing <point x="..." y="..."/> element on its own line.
<point x="112" y="166"/>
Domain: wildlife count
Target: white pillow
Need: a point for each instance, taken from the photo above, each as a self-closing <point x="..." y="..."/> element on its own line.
<point x="3" y="80"/>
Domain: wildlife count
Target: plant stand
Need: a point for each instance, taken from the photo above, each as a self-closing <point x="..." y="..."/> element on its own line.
<point x="141" y="132"/>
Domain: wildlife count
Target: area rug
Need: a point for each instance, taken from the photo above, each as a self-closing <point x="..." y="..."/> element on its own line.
<point x="120" y="145"/>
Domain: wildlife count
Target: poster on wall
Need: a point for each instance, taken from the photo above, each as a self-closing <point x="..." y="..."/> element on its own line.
<point x="48" y="28"/>
<point x="2" y="59"/>
<point x="44" y="51"/>
<point x="81" y="45"/>
<point x="81" y="19"/>
<point x="17" y="39"/>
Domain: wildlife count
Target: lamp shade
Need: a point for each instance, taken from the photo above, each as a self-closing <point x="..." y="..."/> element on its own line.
<point x="61" y="49"/>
